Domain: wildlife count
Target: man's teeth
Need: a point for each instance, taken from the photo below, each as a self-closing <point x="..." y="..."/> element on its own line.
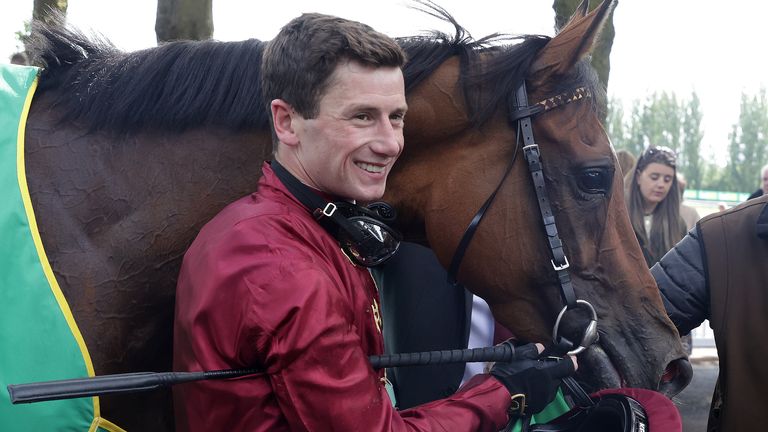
<point x="370" y="168"/>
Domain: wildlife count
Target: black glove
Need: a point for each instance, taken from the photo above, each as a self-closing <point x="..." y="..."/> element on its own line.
<point x="532" y="383"/>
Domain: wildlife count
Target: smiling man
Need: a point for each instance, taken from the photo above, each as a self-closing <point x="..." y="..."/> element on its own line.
<point x="348" y="148"/>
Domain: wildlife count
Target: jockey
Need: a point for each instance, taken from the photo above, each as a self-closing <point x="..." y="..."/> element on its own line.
<point x="278" y="282"/>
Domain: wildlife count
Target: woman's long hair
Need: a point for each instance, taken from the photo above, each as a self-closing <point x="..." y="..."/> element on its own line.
<point x="667" y="227"/>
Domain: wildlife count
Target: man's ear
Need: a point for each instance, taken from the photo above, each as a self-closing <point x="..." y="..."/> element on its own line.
<point x="282" y="118"/>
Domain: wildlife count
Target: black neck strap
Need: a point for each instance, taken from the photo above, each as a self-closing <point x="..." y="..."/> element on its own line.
<point x="461" y="249"/>
<point x="319" y="207"/>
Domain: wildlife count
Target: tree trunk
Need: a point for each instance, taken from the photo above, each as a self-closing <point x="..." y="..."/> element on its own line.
<point x="602" y="50"/>
<point x="184" y="19"/>
<point x="41" y="9"/>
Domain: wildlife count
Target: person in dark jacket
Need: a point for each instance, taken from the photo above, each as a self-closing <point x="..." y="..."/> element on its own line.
<point x="424" y="311"/>
<point x="719" y="272"/>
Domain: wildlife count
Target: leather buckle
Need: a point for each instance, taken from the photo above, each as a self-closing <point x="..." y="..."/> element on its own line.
<point x="329" y="209"/>
<point x="517" y="409"/>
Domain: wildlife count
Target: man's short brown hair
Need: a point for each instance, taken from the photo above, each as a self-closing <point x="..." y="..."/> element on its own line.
<point x="298" y="63"/>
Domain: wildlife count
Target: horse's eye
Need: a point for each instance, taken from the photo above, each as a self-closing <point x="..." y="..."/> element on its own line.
<point x="594" y="181"/>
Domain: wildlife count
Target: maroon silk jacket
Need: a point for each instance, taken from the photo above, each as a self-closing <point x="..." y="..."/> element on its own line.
<point x="263" y="285"/>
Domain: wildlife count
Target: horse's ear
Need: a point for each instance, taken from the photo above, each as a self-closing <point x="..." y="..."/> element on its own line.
<point x="574" y="41"/>
<point x="580" y="12"/>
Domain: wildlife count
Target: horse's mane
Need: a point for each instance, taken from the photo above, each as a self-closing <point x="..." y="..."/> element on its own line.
<point x="185" y="84"/>
<point x="175" y="86"/>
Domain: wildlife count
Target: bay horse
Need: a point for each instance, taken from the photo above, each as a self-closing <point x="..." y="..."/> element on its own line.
<point x="129" y="154"/>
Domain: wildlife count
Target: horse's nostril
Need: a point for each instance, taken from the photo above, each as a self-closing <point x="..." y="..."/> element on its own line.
<point x="669" y="373"/>
<point x="676" y="377"/>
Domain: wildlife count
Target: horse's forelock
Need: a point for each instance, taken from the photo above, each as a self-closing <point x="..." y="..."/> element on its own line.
<point x="490" y="72"/>
<point x="582" y="75"/>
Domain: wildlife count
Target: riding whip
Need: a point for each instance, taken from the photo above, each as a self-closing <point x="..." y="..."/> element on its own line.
<point x="146" y="381"/>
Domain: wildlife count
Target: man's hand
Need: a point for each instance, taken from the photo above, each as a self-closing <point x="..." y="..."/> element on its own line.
<point x="532" y="382"/>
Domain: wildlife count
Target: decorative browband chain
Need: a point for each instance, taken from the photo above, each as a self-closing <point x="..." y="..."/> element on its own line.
<point x="564" y="98"/>
<point x="545" y="105"/>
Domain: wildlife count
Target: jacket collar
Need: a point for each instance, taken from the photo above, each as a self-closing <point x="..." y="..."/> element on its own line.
<point x="762" y="223"/>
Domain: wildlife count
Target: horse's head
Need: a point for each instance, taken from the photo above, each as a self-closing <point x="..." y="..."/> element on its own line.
<point x="461" y="138"/>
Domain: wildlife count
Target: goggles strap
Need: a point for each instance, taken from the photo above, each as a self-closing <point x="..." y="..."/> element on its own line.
<point x="324" y="210"/>
<point x="319" y="207"/>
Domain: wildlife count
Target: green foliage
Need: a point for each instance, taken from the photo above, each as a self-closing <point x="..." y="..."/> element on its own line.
<point x="747" y="143"/>
<point x="614" y="123"/>
<point x="22" y="36"/>
<point x="663" y="119"/>
<point x="690" y="154"/>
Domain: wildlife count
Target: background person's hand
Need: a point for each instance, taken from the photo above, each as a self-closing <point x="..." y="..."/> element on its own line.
<point x="537" y="380"/>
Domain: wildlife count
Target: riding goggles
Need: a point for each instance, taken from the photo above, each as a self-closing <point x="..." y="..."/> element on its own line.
<point x="362" y="234"/>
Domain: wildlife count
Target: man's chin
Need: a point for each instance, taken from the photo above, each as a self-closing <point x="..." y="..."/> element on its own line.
<point x="368" y="199"/>
<point x="366" y="195"/>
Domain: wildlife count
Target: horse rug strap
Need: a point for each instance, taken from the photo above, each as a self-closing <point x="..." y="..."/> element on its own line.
<point x="38" y="335"/>
<point x="610" y="413"/>
<point x="617" y="410"/>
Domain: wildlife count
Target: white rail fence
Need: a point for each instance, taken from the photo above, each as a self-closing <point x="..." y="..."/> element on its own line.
<point x="703" y="337"/>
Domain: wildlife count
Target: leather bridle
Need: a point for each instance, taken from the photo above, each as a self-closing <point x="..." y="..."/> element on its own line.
<point x="521" y="117"/>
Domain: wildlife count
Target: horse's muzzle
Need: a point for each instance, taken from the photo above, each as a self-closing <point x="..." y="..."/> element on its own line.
<point x="677" y="376"/>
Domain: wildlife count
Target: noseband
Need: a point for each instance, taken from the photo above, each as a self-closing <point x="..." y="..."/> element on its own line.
<point x="522" y="116"/>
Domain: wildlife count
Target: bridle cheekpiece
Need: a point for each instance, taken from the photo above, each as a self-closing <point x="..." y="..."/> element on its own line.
<point x="522" y="116"/>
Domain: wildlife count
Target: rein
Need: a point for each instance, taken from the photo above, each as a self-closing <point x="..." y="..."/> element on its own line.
<point x="522" y="116"/>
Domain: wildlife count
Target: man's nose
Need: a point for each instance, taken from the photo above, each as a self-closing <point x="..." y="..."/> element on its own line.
<point x="389" y="139"/>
